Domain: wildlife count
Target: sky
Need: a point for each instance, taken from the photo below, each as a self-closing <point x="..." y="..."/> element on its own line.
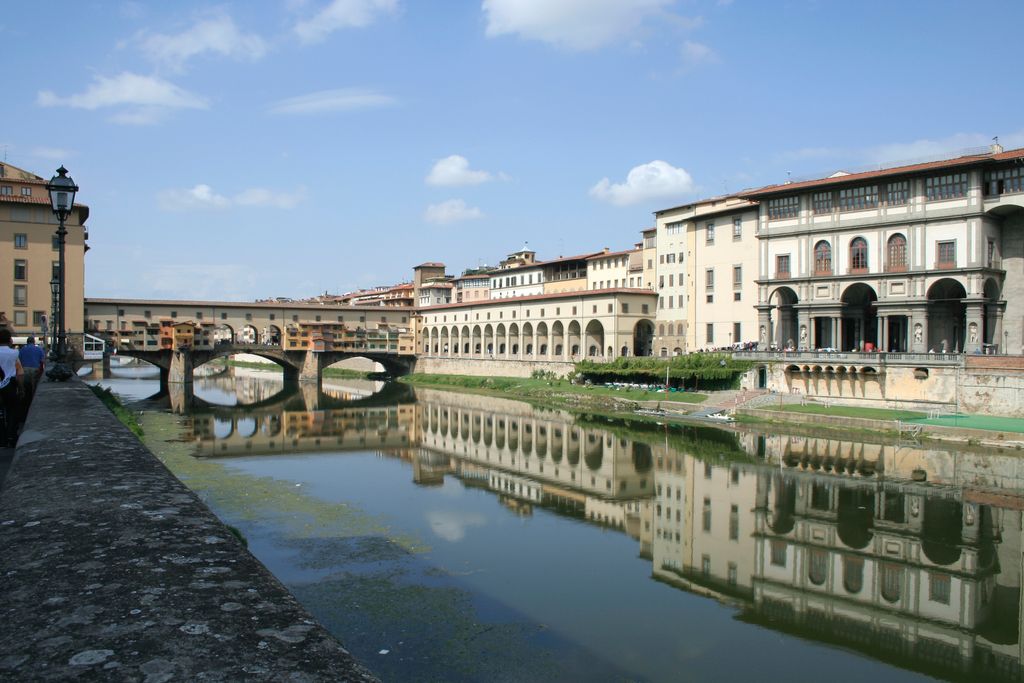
<point x="242" y="150"/>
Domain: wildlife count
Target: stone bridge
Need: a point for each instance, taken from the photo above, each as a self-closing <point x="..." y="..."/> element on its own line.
<point x="176" y="366"/>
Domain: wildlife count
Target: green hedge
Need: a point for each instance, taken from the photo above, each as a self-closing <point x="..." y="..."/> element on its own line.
<point x="693" y="370"/>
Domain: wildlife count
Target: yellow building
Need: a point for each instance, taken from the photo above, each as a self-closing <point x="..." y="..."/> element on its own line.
<point x="28" y="252"/>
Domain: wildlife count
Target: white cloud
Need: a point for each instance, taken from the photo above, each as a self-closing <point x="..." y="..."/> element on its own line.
<point x="453" y="171"/>
<point x="341" y="14"/>
<point x="217" y="33"/>
<point x="570" y="24"/>
<point x="213" y="282"/>
<point x="654" y="180"/>
<point x="345" y="99"/>
<point x="451" y="211"/>
<point x="452" y="526"/>
<point x="258" y="196"/>
<point x="51" y="153"/>
<point x="145" y="99"/>
<point x="695" y="54"/>
<point x="203" y="197"/>
<point x="199" y="197"/>
<point x="925" y="148"/>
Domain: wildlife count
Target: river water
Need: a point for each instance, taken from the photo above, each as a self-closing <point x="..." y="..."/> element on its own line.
<point x="455" y="537"/>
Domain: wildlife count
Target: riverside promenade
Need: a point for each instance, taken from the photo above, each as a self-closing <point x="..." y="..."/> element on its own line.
<point x="111" y="569"/>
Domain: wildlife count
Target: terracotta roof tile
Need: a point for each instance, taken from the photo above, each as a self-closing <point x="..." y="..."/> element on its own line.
<point x="578" y="294"/>
<point x="957" y="162"/>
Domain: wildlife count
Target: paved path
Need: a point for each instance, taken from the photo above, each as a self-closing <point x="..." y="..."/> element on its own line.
<point x="113" y="570"/>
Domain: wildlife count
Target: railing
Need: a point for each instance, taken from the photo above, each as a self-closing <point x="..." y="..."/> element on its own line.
<point x="832" y="357"/>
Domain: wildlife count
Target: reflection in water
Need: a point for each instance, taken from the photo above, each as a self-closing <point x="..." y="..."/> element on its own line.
<point x="836" y="542"/>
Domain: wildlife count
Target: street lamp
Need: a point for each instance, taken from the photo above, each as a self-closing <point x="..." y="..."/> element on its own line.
<point x="62" y="191"/>
<point x="54" y="292"/>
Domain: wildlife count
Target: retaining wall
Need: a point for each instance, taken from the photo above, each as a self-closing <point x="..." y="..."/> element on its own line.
<point x="486" y="367"/>
<point x="114" y="570"/>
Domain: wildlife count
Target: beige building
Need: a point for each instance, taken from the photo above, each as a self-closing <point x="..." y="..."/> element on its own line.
<point x="29" y="254"/>
<point x="615" y="269"/>
<point x="598" y="324"/>
<point x="706" y="274"/>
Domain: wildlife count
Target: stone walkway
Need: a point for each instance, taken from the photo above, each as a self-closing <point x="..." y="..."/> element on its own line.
<point x="113" y="570"/>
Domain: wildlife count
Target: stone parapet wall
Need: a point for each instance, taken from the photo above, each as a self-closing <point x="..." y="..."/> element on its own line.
<point x="114" y="570"/>
<point x="480" y="367"/>
<point x="946" y="389"/>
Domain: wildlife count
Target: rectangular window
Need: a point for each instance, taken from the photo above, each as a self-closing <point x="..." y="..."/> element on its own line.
<point x="706" y="515"/>
<point x="1004" y="181"/>
<point x="782" y="266"/>
<point x="946" y="256"/>
<point x="625" y="308"/>
<point x="6" y="190"/>
<point x="20" y="240"/>
<point x="779" y="553"/>
<point x="644" y="308"/>
<point x="784" y="207"/>
<point x="710" y="298"/>
<point x="21" y="318"/>
<point x="248" y="316"/>
<point x="671" y="280"/>
<point x="199" y="315"/>
<point x="897" y="194"/>
<point x="947" y="186"/>
<point x="709" y="279"/>
<point x="55" y="270"/>
<point x="737" y="228"/>
<point x="147" y="314"/>
<point x="37" y="320"/>
<point x="938" y="588"/>
<point x="709" y="333"/>
<point x="20" y="295"/>
<point x="26" y="192"/>
<point x="737" y="276"/>
<point x="734" y="523"/>
<point x="990" y="254"/>
<point x="737" y="296"/>
<point x="732" y="575"/>
<point x="20" y="269"/>
<point x="858" y="198"/>
<point x="709" y="233"/>
<point x="821" y="202"/>
<point x="54" y="243"/>
<point x="737" y="332"/>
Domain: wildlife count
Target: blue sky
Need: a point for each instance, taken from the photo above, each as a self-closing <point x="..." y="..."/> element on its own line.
<point x="284" y="148"/>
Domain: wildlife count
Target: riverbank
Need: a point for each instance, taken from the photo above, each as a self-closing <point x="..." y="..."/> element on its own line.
<point x="838" y="420"/>
<point x="558" y="392"/>
<point x="114" y="569"/>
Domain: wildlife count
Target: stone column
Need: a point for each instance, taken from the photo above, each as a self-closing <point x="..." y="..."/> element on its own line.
<point x="882" y="343"/>
<point x="836" y="341"/>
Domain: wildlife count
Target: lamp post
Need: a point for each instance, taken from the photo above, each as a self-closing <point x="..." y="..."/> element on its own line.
<point x="54" y="290"/>
<point x="62" y="191"/>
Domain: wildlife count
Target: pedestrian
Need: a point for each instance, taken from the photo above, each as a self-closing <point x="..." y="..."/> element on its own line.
<point x="11" y="391"/>
<point x="32" y="361"/>
<point x="5" y="324"/>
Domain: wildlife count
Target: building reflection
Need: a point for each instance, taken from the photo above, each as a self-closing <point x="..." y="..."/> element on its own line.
<point x="909" y="554"/>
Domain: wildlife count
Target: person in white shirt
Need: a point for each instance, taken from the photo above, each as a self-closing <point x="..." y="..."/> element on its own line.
<point x="11" y="388"/>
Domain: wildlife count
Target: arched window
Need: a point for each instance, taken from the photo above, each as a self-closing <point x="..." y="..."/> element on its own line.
<point x="853" y="574"/>
<point x="823" y="258"/>
<point x="858" y="255"/>
<point x="661" y="330"/>
<point x="817" y="567"/>
<point x="892" y="582"/>
<point x="897" y="254"/>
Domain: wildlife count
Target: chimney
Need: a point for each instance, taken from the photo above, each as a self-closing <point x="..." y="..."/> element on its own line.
<point x="996" y="147"/>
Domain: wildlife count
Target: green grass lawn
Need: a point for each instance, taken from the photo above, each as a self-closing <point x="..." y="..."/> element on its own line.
<point x="544" y="388"/>
<point x="990" y="422"/>
<point x="849" y="411"/>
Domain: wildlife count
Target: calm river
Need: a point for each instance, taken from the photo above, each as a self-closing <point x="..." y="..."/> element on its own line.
<point x="454" y="537"/>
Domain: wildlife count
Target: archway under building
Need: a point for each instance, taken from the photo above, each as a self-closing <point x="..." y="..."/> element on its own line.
<point x="643" y="338"/>
<point x="947" y="313"/>
<point x="785" y="332"/>
<point x="859" y="317"/>
<point x="595" y="338"/>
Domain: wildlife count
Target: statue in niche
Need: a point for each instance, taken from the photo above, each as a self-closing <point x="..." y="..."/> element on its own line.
<point x="803" y="336"/>
<point x="972" y="333"/>
<point x="918" y="333"/>
<point x="764" y="337"/>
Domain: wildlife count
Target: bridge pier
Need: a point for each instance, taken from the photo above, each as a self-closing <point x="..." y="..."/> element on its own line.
<point x="180" y="371"/>
<point x="312" y="367"/>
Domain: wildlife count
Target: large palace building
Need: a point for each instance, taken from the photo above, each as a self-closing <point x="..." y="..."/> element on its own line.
<point x="924" y="257"/>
